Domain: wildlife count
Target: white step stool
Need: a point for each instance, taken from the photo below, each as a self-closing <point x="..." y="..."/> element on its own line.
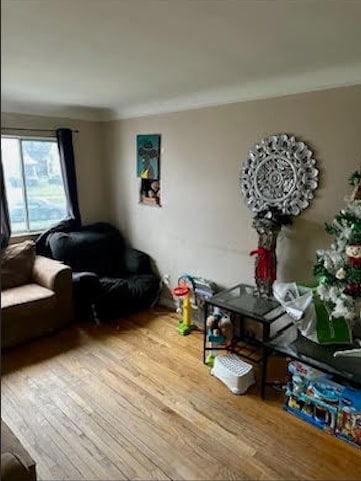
<point x="237" y="375"/>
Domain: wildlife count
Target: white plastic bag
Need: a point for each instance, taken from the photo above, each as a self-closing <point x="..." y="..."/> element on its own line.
<point x="311" y="318"/>
<point x="297" y="301"/>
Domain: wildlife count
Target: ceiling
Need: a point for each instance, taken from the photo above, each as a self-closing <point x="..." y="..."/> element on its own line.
<point x="104" y="59"/>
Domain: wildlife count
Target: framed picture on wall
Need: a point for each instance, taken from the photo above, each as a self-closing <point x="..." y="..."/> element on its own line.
<point x="148" y="153"/>
<point x="148" y="169"/>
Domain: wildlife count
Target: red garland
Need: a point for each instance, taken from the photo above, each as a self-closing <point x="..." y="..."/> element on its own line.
<point x="266" y="267"/>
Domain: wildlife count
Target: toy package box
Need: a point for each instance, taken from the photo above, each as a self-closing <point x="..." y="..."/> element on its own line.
<point x="333" y="407"/>
<point x="349" y="416"/>
<point x="203" y="290"/>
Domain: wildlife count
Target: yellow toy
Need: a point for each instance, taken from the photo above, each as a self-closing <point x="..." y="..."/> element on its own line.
<point x="183" y="293"/>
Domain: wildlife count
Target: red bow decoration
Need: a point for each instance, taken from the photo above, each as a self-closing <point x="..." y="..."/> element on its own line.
<point x="266" y="267"/>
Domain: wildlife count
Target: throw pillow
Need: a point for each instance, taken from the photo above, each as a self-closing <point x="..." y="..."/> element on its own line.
<point x="17" y="261"/>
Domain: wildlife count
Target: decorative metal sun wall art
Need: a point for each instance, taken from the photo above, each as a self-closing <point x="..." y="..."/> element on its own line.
<point x="279" y="172"/>
<point x="277" y="181"/>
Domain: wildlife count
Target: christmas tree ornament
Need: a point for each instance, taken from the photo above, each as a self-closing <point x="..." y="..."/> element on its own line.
<point x="353" y="252"/>
<point x="353" y="289"/>
<point x="341" y="274"/>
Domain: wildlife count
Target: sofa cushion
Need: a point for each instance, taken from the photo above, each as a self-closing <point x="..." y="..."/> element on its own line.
<point x="123" y="296"/>
<point x="17" y="261"/>
<point x="27" y="312"/>
<point x="144" y="289"/>
<point x="24" y="300"/>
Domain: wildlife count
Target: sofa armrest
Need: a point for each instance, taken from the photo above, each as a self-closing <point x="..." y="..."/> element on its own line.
<point x="137" y="262"/>
<point x="13" y="469"/>
<point x="50" y="273"/>
<point x="56" y="276"/>
<point x="86" y="285"/>
<point x="16" y="462"/>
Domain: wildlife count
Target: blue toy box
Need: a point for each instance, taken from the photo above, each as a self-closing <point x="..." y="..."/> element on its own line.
<point x="333" y="407"/>
<point x="349" y="416"/>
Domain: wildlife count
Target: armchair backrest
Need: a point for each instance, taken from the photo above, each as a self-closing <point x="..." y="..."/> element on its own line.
<point x="97" y="248"/>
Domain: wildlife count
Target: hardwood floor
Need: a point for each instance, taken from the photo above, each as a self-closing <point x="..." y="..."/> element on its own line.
<point x="133" y="400"/>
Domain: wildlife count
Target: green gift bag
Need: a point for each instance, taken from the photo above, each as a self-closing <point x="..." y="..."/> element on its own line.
<point x="331" y="330"/>
<point x="310" y="315"/>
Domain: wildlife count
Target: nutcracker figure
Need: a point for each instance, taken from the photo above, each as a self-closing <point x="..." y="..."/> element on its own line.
<point x="268" y="224"/>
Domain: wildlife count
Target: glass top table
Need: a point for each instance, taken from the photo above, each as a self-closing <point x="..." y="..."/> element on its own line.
<point x="290" y="343"/>
<point x="242" y="300"/>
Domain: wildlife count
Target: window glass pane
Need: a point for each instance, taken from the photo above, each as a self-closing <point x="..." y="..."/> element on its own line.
<point x="13" y="183"/>
<point x="38" y="183"/>
<point x="44" y="184"/>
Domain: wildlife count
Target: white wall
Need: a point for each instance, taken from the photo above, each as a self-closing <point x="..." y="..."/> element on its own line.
<point x="203" y="227"/>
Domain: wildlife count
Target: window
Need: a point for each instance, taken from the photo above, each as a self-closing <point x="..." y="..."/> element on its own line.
<point x="34" y="183"/>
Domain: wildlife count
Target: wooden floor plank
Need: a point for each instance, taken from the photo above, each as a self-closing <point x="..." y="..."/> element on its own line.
<point x="132" y="400"/>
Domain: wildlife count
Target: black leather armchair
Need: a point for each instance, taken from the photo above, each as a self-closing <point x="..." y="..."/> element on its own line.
<point x="109" y="278"/>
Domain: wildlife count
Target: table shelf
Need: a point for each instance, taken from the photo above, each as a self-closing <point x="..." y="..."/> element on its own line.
<point x="241" y="303"/>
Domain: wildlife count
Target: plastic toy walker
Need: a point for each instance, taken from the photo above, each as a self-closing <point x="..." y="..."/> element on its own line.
<point x="183" y="294"/>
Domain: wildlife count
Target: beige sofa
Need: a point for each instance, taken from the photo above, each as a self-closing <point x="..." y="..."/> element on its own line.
<point x="36" y="294"/>
<point x="16" y="463"/>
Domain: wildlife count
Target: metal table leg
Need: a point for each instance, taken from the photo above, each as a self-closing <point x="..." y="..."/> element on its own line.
<point x="205" y="331"/>
<point x="266" y="353"/>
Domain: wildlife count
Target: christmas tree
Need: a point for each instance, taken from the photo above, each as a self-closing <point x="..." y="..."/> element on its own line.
<point x="338" y="269"/>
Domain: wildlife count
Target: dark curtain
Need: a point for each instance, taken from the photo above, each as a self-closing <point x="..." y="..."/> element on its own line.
<point x="5" y="219"/>
<point x="67" y="163"/>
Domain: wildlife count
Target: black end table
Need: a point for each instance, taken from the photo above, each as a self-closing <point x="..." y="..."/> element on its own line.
<point x="241" y="300"/>
<point x="290" y="343"/>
